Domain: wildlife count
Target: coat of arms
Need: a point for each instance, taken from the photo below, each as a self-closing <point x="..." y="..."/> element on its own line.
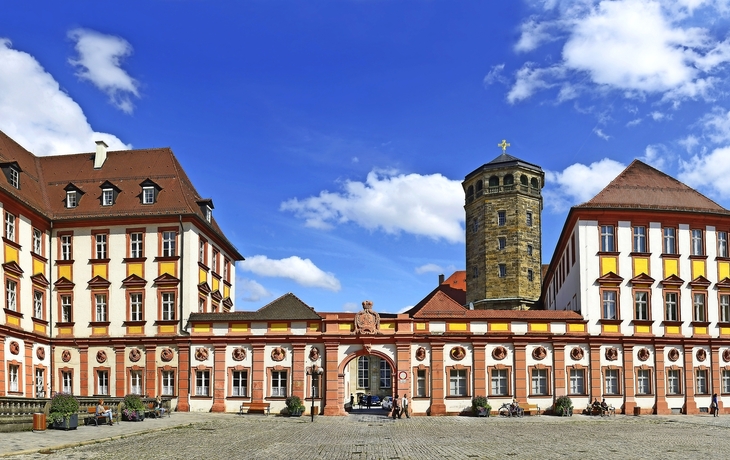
<point x="367" y="321"/>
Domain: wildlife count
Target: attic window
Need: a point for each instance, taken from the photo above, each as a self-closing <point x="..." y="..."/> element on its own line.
<point x="71" y="199"/>
<point x="107" y="197"/>
<point x="208" y="213"/>
<point x="14" y="177"/>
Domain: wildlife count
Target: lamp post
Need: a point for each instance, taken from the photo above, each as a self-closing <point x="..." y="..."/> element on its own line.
<point x="314" y="371"/>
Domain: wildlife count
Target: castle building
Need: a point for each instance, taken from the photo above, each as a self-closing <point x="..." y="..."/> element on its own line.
<point x="117" y="280"/>
<point x="105" y="255"/>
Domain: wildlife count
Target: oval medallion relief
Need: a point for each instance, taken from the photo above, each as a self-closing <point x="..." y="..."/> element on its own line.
<point x="539" y="353"/>
<point x="499" y="353"/>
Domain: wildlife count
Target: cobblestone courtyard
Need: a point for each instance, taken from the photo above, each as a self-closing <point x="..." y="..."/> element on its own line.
<point x="366" y="436"/>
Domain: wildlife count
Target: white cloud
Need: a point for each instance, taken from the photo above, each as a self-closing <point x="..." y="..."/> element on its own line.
<point x="636" y="46"/>
<point x="599" y="132"/>
<point x="429" y="268"/>
<point x="495" y="75"/>
<point x="708" y="172"/>
<point x="689" y="143"/>
<point x="430" y="206"/>
<point x="301" y="271"/>
<point x="717" y="125"/>
<point x="250" y="290"/>
<point x="634" y="122"/>
<point x="657" y="155"/>
<point x="99" y="61"/>
<point x="657" y="116"/>
<point x="578" y="183"/>
<point x="37" y="114"/>
<point x="351" y="307"/>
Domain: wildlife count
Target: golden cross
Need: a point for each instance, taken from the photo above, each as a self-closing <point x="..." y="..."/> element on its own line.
<point x="504" y="146"/>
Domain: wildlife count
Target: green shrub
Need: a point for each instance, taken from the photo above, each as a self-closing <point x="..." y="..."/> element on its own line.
<point x="133" y="403"/>
<point x="480" y="401"/>
<point x="63" y="405"/>
<point x="294" y="404"/>
<point x="561" y="404"/>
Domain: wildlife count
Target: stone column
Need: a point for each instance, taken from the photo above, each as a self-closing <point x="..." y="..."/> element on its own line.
<point x="258" y="373"/>
<point x="84" y="370"/>
<point x="690" y="406"/>
<point x="438" y="395"/>
<point x="520" y="368"/>
<point x="119" y="371"/>
<point x="629" y="392"/>
<point x="183" y="381"/>
<point x="715" y="374"/>
<point x="219" y="378"/>
<point x="334" y="382"/>
<point x="662" y="408"/>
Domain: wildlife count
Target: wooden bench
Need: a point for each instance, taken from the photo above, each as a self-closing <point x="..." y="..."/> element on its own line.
<point x="92" y="417"/>
<point x="532" y="409"/>
<point x="263" y="407"/>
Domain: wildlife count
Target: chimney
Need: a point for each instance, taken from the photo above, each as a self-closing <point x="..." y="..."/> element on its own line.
<point x="100" y="156"/>
<point x="441" y="279"/>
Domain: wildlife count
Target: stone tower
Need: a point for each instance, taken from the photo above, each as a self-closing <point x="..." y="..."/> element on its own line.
<point x="503" y="238"/>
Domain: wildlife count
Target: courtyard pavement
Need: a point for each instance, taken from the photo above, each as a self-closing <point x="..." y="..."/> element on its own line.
<point x="371" y="435"/>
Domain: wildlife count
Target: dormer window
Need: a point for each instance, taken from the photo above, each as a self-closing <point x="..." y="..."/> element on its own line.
<point x="206" y="207"/>
<point x="150" y="190"/>
<point x="71" y="199"/>
<point x="107" y="197"/>
<point x="12" y="173"/>
<point x="208" y="213"/>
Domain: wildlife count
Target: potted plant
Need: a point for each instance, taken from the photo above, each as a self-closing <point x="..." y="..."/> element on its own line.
<point x="294" y="406"/>
<point x="133" y="408"/>
<point x="480" y="406"/>
<point x="64" y="411"/>
<point x="563" y="406"/>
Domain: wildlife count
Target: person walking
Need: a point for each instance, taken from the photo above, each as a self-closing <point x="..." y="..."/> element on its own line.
<point x="396" y="407"/>
<point x="352" y="402"/>
<point x="404" y="406"/>
<point x="369" y="400"/>
<point x="714" y="406"/>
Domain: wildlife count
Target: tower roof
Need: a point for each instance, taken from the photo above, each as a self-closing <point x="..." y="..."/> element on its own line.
<point x="505" y="160"/>
<point x="640" y="186"/>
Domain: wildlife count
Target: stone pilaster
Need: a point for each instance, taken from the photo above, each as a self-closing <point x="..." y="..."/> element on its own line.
<point x="715" y="374"/>
<point x="596" y="388"/>
<point x="84" y="370"/>
<point x="628" y="384"/>
<point x="690" y="406"/>
<point x="437" y="379"/>
<point x="119" y="372"/>
<point x="299" y="370"/>
<point x="150" y="371"/>
<point x="258" y="373"/>
<point x="662" y="408"/>
<point x="29" y="374"/>
<point x="334" y="391"/>
<point x="520" y="367"/>
<point x="480" y="369"/>
<point x="183" y="380"/>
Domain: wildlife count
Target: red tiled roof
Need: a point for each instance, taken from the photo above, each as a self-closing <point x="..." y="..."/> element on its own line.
<point x="640" y="186"/>
<point x="440" y="305"/>
<point x="454" y="288"/>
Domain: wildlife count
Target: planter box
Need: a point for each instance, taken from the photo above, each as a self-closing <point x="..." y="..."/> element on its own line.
<point x="138" y="418"/>
<point x="69" y="423"/>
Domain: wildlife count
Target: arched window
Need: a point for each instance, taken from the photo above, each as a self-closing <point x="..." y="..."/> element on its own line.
<point x="363" y="372"/>
<point x="534" y="183"/>
<point x="494" y="181"/>
<point x="509" y="179"/>
<point x="470" y="191"/>
<point x="480" y="186"/>
<point x="523" y="179"/>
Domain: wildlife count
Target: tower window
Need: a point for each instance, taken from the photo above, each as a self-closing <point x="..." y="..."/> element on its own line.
<point x="502" y="270"/>
<point x="530" y="275"/>
<point x="475" y="272"/>
<point x="475" y="225"/>
<point x="501" y="218"/>
<point x="529" y="218"/>
<point x="502" y="242"/>
<point x="529" y="250"/>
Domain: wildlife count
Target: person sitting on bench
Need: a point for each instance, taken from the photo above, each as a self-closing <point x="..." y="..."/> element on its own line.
<point x="159" y="410"/>
<point x="105" y="412"/>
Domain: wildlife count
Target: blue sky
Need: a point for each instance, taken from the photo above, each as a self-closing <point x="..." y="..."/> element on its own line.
<point x="333" y="135"/>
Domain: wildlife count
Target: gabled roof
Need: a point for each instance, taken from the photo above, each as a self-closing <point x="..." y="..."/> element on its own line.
<point x="286" y="308"/>
<point x="454" y="287"/>
<point x="440" y="305"/>
<point x="640" y="186"/>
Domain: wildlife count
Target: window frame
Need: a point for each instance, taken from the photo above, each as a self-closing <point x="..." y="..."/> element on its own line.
<point x="101" y="375"/>
<point x="236" y="383"/>
<point x="62" y="305"/>
<point x="107" y="196"/>
<point x="39" y="308"/>
<point x="203" y="382"/>
<point x="639" y="240"/>
<point x="502" y="270"/>
<point x="501" y="218"/>
<point x="10" y="226"/>
<point x="425" y="378"/>
<point x="649" y="380"/>
<point x="135" y="248"/>
<point x="528" y="218"/>
<point x="100" y="312"/>
<point x="669" y="240"/>
<point x="363" y="372"/>
<point x="279" y="380"/>
<point x="168" y="246"/>
<point x="576" y="375"/>
<point x="65" y="246"/>
<point x="72" y="200"/>
<point x="604" y="304"/>
<point x="131" y="303"/>
<point x="148" y="194"/>
<point x="507" y="379"/>
<point x="646" y="304"/>
<point x="459" y="379"/>
<point x="723" y="305"/>
<point x="703" y="384"/>
<point x="722" y="247"/>
<point x="385" y="374"/>
<point x="539" y="368"/>
<point x="100" y="240"/>
<point x="14" y="177"/>
<point x="608" y="237"/>
<point x="699" y="309"/>
<point x="165" y="302"/>
<point x="38" y="242"/>
<point x="697" y="242"/>
<point x="12" y="301"/>
<point x="606" y="389"/>
<point x="674" y="376"/>
<point x="676" y="302"/>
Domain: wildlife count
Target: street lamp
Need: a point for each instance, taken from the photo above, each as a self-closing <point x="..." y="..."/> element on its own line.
<point x="314" y="371"/>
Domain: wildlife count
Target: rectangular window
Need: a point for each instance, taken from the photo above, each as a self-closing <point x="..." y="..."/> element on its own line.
<point x="607" y="238"/>
<point x="11" y="295"/>
<point x="65" y="247"/>
<point x="501" y="243"/>
<point x="107" y="197"/>
<point x="201" y="304"/>
<point x="168" y="383"/>
<point x="148" y="195"/>
<point x="135" y="382"/>
<point x="385" y="375"/>
<point x="226" y="269"/>
<point x="100" y="245"/>
<point x="421" y="384"/>
<point x="102" y="387"/>
<point x="671" y="313"/>
<point x="528" y="220"/>
<point x="539" y="382"/>
<point x="674" y="382"/>
<point x="670" y="241"/>
<point x="457" y="382"/>
<point x="475" y="225"/>
<point x="202" y="383"/>
<point x="641" y="305"/>
<point x="501" y="218"/>
<point x="643" y="382"/>
<point x="278" y="384"/>
<point x="698" y="307"/>
<point x="14" y="177"/>
<point x="725" y="381"/>
<point x="135" y="306"/>
<point x="37" y="242"/>
<point x="698" y="248"/>
<point x="502" y="270"/>
<point x="201" y="251"/>
<point x="9" y="226"/>
<point x="725" y="308"/>
<point x="168" y="306"/>
<point x="529" y="250"/>
<point x="363" y="372"/>
<point x="13" y="378"/>
<point x="612" y="382"/>
<point x="67" y="382"/>
<point x="71" y="199"/>
<point x="135" y="245"/>
<point x="577" y="381"/>
<point x="639" y="239"/>
<point x="40" y="383"/>
<point x="38" y="304"/>
<point x="609" y="305"/>
<point x="214" y="262"/>
<point x="66" y="309"/>
<point x="101" y="310"/>
<point x="701" y="385"/>
<point x="168" y="243"/>
<point x="499" y="382"/>
<point x="530" y="274"/>
<point x="722" y="244"/>
<point x="239" y="383"/>
<point x="316" y="379"/>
